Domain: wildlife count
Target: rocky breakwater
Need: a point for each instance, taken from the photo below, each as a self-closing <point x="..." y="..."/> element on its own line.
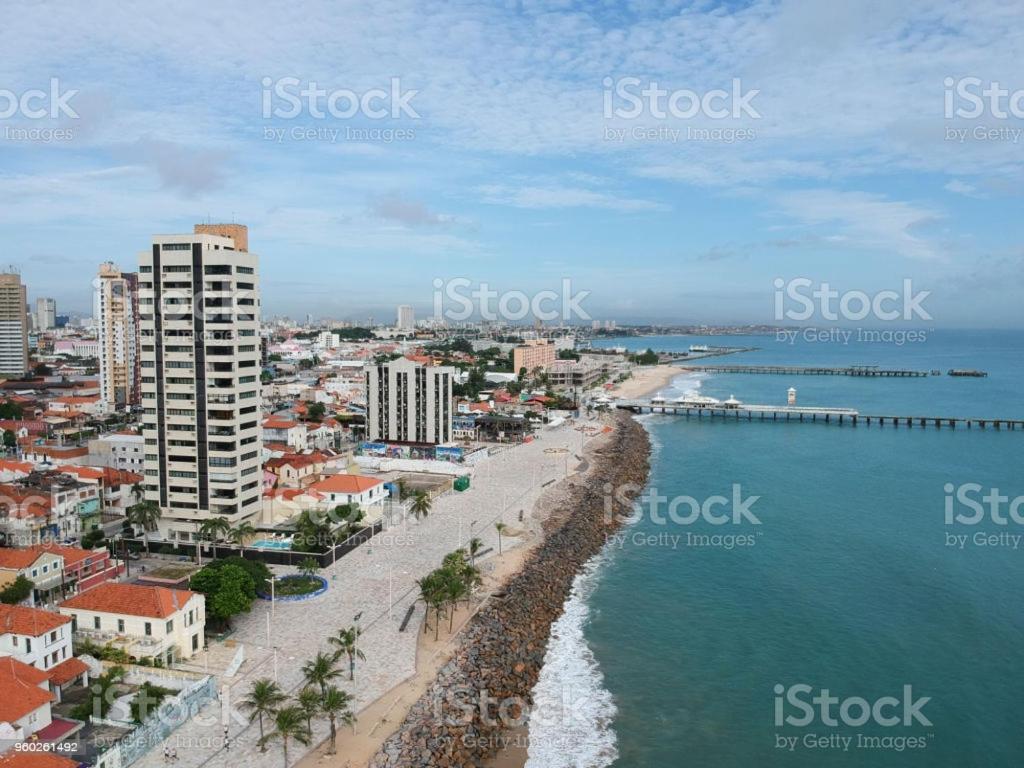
<point x="485" y="688"/>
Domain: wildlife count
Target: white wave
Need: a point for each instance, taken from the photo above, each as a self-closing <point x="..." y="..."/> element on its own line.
<point x="571" y="721"/>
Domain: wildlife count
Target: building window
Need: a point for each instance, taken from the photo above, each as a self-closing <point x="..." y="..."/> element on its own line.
<point x="95" y="622"/>
<point x="120" y="625"/>
<point x="149" y="629"/>
<point x="170" y="626"/>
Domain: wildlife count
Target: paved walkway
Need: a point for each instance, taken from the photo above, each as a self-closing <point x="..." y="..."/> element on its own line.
<point x="379" y="574"/>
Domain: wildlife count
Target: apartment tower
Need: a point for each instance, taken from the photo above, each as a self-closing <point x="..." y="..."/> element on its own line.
<point x="116" y="309"/>
<point x="13" y="326"/>
<point x="408" y="402"/>
<point x="200" y="353"/>
<point x="46" y="314"/>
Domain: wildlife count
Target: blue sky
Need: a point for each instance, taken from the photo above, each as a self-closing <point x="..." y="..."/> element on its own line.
<point x="509" y="176"/>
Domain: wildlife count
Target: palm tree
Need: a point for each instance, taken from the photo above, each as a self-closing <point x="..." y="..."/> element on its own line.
<point x="433" y="594"/>
<point x="241" y="533"/>
<point x="308" y="701"/>
<point x="289" y="723"/>
<point x="347" y="640"/>
<point x="500" y="528"/>
<point x="475" y="545"/>
<point x="336" y="705"/>
<point x="137" y="491"/>
<point x="214" y="528"/>
<point x="420" y="504"/>
<point x="264" y="698"/>
<point x="308" y="567"/>
<point x="321" y="670"/>
<point x="145" y="515"/>
<point x="453" y="588"/>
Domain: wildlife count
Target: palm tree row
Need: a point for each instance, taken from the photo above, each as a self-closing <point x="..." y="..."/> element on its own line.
<point x="444" y="587"/>
<point x="291" y="720"/>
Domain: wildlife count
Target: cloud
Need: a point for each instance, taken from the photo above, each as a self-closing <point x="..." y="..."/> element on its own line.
<point x="864" y="220"/>
<point x="186" y="170"/>
<point x="958" y="187"/>
<point x="564" y="197"/>
<point x="410" y="213"/>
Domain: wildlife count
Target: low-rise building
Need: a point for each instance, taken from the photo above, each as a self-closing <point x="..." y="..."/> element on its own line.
<point x="350" y="489"/>
<point x="26" y="699"/>
<point x="39" y="638"/>
<point x="285" y="431"/>
<point x="145" y="622"/>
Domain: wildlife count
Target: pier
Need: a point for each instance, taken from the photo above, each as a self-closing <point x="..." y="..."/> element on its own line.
<point x="813" y="415"/>
<point x="865" y="371"/>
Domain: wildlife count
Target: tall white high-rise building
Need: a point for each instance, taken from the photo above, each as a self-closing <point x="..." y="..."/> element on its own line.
<point x="406" y="318"/>
<point x="13" y="326"/>
<point x="116" y="308"/>
<point x="200" y="352"/>
<point x="408" y="402"/>
<point x="46" y="314"/>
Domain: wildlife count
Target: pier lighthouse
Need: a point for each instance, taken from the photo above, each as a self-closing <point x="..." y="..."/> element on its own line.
<point x="791" y="396"/>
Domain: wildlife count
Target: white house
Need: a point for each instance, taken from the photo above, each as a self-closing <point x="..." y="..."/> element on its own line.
<point x="285" y="431"/>
<point x="41" y="639"/>
<point x="146" y="622"/>
<point x="351" y="489"/>
<point x="25" y="703"/>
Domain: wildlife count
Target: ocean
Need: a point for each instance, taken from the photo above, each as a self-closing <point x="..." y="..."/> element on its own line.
<point x="844" y="562"/>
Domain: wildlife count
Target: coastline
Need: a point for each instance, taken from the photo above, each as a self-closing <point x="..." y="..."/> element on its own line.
<point x="502" y="647"/>
<point x="645" y="381"/>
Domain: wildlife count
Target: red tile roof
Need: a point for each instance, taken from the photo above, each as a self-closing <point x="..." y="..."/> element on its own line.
<point x="131" y="600"/>
<point x="22" y="694"/>
<point x="14" y="759"/>
<point x="16" y="559"/>
<point x="345" y="484"/>
<point x="67" y="671"/>
<point x="22" y="620"/>
<point x="279" y="424"/>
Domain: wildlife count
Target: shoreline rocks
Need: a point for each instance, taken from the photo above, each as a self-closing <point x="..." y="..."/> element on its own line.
<point x="485" y="688"/>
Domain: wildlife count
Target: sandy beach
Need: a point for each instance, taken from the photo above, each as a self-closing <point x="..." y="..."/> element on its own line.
<point x="645" y="381"/>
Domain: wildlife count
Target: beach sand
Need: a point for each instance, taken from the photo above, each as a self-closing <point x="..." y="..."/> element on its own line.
<point x="645" y="381"/>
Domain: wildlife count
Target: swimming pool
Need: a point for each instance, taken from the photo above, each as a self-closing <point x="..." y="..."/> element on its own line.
<point x="272" y="544"/>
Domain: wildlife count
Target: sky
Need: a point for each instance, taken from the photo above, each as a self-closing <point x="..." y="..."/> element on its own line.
<point x="504" y="152"/>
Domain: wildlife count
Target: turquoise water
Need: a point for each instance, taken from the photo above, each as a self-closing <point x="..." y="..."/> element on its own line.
<point x="848" y="582"/>
<point x="271" y="544"/>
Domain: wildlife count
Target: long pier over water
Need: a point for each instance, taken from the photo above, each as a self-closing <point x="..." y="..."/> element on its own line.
<point x="837" y="416"/>
<point x="866" y="371"/>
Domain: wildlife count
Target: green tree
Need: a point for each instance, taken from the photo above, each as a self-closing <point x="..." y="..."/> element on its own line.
<point x="321" y="670"/>
<point x="500" y="528"/>
<point x="475" y="545"/>
<point x="17" y="591"/>
<point x="336" y="705"/>
<point x="308" y="567"/>
<point x="10" y="410"/>
<point x="10" y="440"/>
<point x="144" y="515"/>
<point x="347" y="642"/>
<point x="264" y="699"/>
<point x="214" y="528"/>
<point x="289" y="725"/>
<point x="256" y="569"/>
<point x="229" y="590"/>
<point x="309" y="700"/>
<point x="241" y="534"/>
<point x="313" y="532"/>
<point x="420" y="504"/>
<point x="316" y="411"/>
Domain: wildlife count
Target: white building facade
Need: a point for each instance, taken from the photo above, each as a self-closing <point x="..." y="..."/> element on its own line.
<point x="200" y="352"/>
<point x="408" y="402"/>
